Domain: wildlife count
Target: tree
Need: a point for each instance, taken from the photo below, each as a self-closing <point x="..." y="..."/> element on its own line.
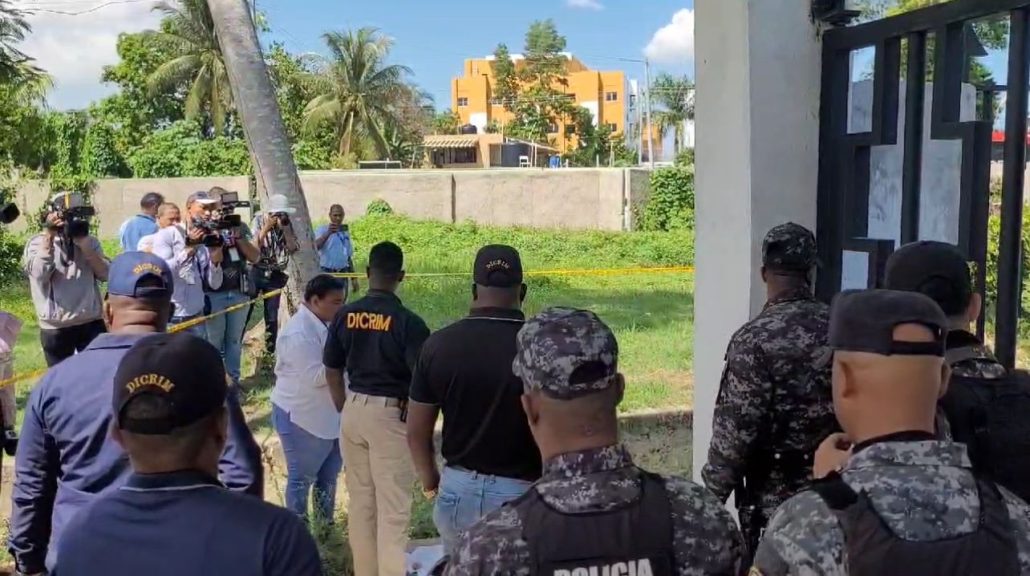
<point x="15" y="66"/>
<point x="446" y="122"/>
<point x="674" y="96"/>
<point x="506" y="81"/>
<point x="194" y="62"/>
<point x="358" y="90"/>
<point x="266" y="134"/>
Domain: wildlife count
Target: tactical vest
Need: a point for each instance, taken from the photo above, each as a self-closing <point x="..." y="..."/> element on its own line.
<point x="633" y="540"/>
<point x="990" y="416"/>
<point x="873" y="549"/>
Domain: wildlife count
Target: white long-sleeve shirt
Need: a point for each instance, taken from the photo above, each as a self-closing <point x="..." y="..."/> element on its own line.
<point x="188" y="270"/>
<point x="300" y="385"/>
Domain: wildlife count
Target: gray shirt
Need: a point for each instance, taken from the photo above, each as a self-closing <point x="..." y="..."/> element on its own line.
<point x="64" y="291"/>
<point x="189" y="270"/>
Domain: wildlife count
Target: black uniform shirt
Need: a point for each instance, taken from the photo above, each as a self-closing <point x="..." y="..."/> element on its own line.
<point x="465" y="369"/>
<point x="377" y="341"/>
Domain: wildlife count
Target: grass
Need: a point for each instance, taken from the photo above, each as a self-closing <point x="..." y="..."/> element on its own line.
<point x="651" y="314"/>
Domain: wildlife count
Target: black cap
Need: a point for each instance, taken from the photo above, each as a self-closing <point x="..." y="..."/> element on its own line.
<point x="151" y="200"/>
<point x="865" y="320"/>
<point x="936" y="269"/>
<point x="181" y="369"/>
<point x="789" y="246"/>
<point x="497" y="266"/>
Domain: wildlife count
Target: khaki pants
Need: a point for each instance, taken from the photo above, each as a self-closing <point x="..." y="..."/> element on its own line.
<point x="379" y="480"/>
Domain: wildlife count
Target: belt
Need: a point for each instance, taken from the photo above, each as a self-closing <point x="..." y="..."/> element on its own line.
<point x="366" y="400"/>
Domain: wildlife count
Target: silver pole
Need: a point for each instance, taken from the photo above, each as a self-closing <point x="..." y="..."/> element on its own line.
<point x="650" y="130"/>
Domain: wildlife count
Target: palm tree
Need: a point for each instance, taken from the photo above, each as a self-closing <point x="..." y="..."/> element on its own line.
<point x="196" y="65"/>
<point x="15" y="66"/>
<point x="357" y="90"/>
<point x="675" y="99"/>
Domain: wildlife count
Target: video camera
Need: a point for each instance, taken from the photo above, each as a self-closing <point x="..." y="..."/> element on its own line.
<point x="72" y="209"/>
<point x="224" y="219"/>
<point x="9" y="213"/>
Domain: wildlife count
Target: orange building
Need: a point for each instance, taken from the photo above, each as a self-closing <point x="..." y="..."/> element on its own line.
<point x="603" y="93"/>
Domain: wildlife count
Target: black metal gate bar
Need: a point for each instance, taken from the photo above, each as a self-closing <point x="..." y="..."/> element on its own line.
<point x="912" y="167"/>
<point x="1009" y="253"/>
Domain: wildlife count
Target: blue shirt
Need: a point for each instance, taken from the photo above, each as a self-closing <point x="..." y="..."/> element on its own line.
<point x="185" y="523"/>
<point x="134" y="229"/>
<point x="66" y="459"/>
<point x="337" y="251"/>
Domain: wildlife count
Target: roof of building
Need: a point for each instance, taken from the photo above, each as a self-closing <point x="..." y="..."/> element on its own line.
<point x="451" y="141"/>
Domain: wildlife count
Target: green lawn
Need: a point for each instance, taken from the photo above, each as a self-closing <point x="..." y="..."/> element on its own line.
<point x="651" y="314"/>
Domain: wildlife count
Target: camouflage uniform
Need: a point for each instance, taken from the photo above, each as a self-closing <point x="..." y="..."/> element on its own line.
<point x="774" y="395"/>
<point x="923" y="491"/>
<point x="975" y="359"/>
<point x="550" y="348"/>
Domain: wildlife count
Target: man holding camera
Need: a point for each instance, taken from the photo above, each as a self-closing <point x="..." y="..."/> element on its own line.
<point x="225" y="331"/>
<point x="277" y="241"/>
<point x="65" y="266"/>
<point x="186" y="249"/>
<point x="335" y="247"/>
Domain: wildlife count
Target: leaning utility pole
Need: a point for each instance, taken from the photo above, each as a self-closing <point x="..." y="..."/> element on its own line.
<point x="266" y="136"/>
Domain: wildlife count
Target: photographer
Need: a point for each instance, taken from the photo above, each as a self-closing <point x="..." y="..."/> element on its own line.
<point x="335" y="247"/>
<point x="65" y="266"/>
<point x="194" y="265"/>
<point x="225" y="331"/>
<point x="277" y="241"/>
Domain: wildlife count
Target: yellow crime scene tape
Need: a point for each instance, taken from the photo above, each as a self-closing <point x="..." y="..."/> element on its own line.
<point x="561" y="272"/>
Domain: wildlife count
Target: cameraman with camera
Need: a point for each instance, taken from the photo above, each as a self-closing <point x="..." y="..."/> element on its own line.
<point x="65" y="266"/>
<point x="187" y="250"/>
<point x="277" y="241"/>
<point x="225" y="331"/>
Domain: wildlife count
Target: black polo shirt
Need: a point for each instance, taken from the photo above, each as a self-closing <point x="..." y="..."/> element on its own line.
<point x="465" y="369"/>
<point x="377" y="341"/>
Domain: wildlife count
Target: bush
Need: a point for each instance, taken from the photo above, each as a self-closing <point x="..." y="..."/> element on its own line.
<point x="181" y="150"/>
<point x="685" y="158"/>
<point x="993" y="246"/>
<point x="379" y="207"/>
<point x="671" y="203"/>
<point x="10" y="245"/>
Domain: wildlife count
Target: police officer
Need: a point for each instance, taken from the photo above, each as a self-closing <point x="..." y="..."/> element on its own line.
<point x="895" y="500"/>
<point x="998" y="434"/>
<point x="490" y="454"/>
<point x="173" y="516"/>
<point x="65" y="458"/>
<point x="376" y="341"/>
<point x="774" y="403"/>
<point x="593" y="511"/>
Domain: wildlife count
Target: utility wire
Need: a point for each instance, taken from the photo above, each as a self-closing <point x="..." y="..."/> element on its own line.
<point x="35" y="10"/>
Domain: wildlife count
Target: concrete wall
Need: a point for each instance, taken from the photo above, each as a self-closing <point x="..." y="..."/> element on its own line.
<point x="568" y="198"/>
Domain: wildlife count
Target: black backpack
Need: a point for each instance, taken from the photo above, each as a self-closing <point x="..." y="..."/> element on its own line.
<point x="992" y="418"/>
<point x="873" y="549"/>
<point x="615" y="541"/>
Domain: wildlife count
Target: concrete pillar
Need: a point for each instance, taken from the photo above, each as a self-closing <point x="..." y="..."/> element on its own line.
<point x="757" y="117"/>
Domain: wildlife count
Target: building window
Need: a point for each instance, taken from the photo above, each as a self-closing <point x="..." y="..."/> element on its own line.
<point x="464" y="156"/>
<point x="552" y="128"/>
<point x="570" y="97"/>
<point x="570" y="129"/>
<point x="611" y="96"/>
<point x="496" y="102"/>
<point x="463" y="102"/>
<point x="612" y="127"/>
<point x="632" y="100"/>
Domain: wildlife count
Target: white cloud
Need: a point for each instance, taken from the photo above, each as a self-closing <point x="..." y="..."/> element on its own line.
<point x="588" y="4"/>
<point x="674" y="42"/>
<point x="75" y="48"/>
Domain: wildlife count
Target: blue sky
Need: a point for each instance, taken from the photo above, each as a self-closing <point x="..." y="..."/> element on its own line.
<point x="432" y="38"/>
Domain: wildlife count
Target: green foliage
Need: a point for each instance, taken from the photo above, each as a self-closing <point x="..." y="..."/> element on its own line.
<point x="671" y="203"/>
<point x="181" y="150"/>
<point x="379" y="207"/>
<point x="446" y="122"/>
<point x="100" y="157"/>
<point x="993" y="244"/>
<point x="673" y="97"/>
<point x="68" y="130"/>
<point x="10" y="245"/>
<point x="685" y="157"/>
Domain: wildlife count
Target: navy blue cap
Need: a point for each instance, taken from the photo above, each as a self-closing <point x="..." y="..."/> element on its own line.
<point x="129" y="270"/>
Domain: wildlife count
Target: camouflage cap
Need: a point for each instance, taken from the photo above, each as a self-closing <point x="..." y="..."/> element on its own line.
<point x="566" y="354"/>
<point x="789" y="246"/>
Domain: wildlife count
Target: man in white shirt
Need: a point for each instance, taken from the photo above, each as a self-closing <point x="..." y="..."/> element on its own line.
<point x="167" y="215"/>
<point x="191" y="262"/>
<point x="302" y="409"/>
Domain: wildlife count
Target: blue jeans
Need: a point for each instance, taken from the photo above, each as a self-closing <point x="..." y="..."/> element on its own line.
<point x="310" y="460"/>
<point x="225" y="331"/>
<point x="467" y="496"/>
<point x="196" y="330"/>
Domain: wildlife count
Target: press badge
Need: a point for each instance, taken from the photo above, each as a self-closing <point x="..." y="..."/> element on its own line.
<point x="234" y="254"/>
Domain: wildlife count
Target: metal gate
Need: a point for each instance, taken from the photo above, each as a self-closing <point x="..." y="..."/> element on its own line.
<point x="887" y="182"/>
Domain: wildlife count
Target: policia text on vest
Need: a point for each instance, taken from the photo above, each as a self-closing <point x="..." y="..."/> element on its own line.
<point x="641" y="567"/>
